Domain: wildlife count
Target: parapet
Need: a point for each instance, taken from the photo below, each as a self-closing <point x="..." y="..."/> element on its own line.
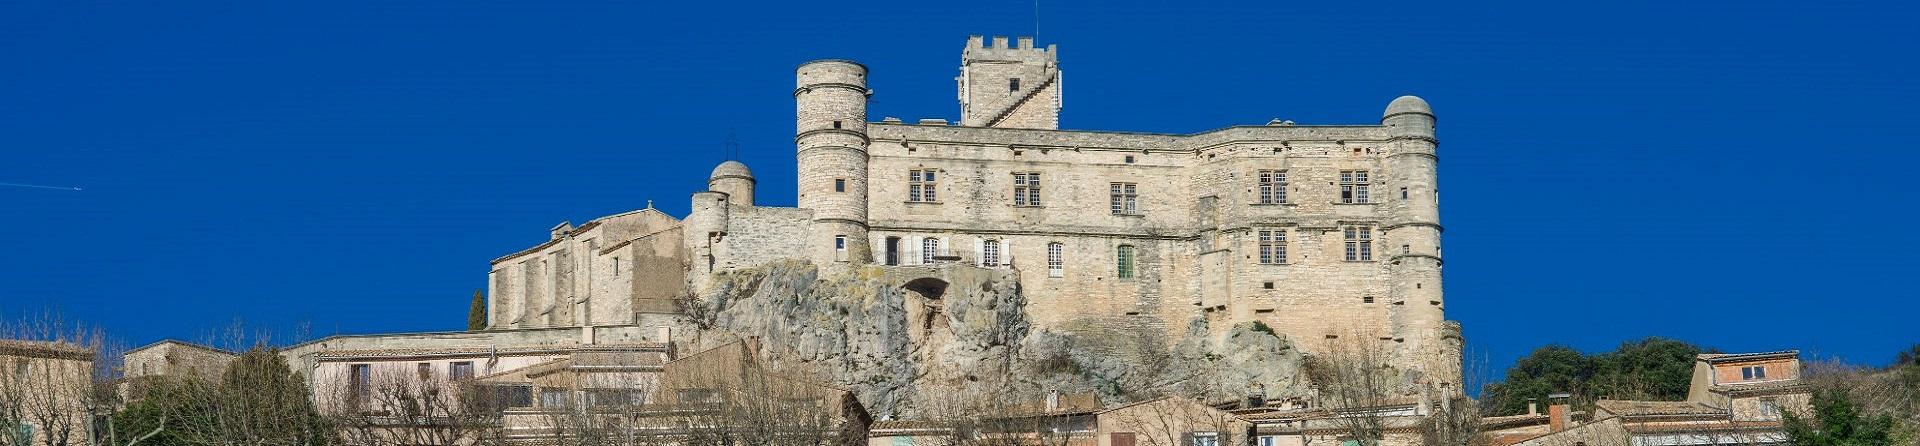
<point x="831" y="71"/>
<point x="979" y="49"/>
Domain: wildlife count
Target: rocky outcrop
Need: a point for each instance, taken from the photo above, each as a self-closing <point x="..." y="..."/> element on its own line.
<point x="906" y="339"/>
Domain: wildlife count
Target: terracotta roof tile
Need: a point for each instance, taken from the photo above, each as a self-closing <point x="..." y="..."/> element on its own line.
<point x="1657" y="408"/>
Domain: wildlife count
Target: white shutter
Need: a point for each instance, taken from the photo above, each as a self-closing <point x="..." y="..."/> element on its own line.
<point x="980" y="251"/>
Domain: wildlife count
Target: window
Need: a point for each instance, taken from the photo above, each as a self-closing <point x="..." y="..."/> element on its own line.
<point x="1055" y="266"/>
<point x="920" y="186"/>
<point x="990" y="253"/>
<point x="1403" y="193"/>
<point x="1123" y="261"/>
<point x="1353" y="187"/>
<point x="1026" y="189"/>
<point x="836" y="124"/>
<point x="1753" y="372"/>
<point x="1269" y="441"/>
<point x="893" y="251"/>
<point x="460" y="370"/>
<point x="1366" y="300"/>
<point x="1359" y="240"/>
<point x="1206" y="439"/>
<point x="616" y="266"/>
<point x="698" y="396"/>
<point x="360" y="384"/>
<point x="425" y="370"/>
<point x="840" y="248"/>
<point x="1273" y="186"/>
<point x="839" y="184"/>
<point x="555" y="397"/>
<point x="929" y="247"/>
<point x="1129" y="159"/>
<point x="1013" y="85"/>
<point x="1273" y="246"/>
<point x="1769" y="408"/>
<point x="614" y="397"/>
<point x="1120" y="439"/>
<point x="1125" y="198"/>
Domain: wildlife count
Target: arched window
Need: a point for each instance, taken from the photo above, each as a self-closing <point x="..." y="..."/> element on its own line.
<point x="1055" y="266"/>
<point x="929" y="247"/>
<point x="990" y="253"/>
<point x="1123" y="262"/>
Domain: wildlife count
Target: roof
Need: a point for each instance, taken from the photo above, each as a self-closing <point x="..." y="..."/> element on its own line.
<point x="1714" y="358"/>
<point x="182" y="344"/>
<point x="731" y="169"/>
<point x="1628" y="408"/>
<point x="1408" y="104"/>
<point x="415" y="352"/>
<point x="905" y="426"/>
<point x="45" y="349"/>
<point x="1780" y="386"/>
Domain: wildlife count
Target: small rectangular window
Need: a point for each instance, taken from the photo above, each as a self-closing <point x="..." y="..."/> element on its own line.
<point x="1359" y="243"/>
<point x="836" y="124"/>
<point x="1123" y="261"/>
<point x="839" y="184"/>
<point x="1013" y="85"/>
<point x="1353" y="187"/>
<point x="990" y="253"/>
<point x="616" y="266"/>
<point x="1026" y="189"/>
<point x="1366" y="300"/>
<point x="1129" y="159"/>
<point x="555" y="398"/>
<point x="425" y="370"/>
<point x="1273" y="186"/>
<point x="1403" y="193"/>
<point x="1125" y="198"/>
<point x="460" y="370"/>
<point x="840" y="248"/>
<point x="921" y="186"/>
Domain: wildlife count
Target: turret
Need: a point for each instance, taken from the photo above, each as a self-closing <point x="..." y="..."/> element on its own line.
<point x="1413" y="236"/>
<point x="734" y="179"/>
<point x="831" y="138"/>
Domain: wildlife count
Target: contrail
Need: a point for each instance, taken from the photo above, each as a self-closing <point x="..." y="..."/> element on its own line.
<point x="36" y="186"/>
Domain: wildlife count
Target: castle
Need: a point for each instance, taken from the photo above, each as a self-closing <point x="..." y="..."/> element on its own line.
<point x="1316" y="231"/>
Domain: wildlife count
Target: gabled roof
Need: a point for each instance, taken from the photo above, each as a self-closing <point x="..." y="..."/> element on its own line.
<point x="1775" y="386"/>
<point x="45" y="349"/>
<point x="183" y="344"/>
<point x="1628" y="408"/>
<point x="1715" y="358"/>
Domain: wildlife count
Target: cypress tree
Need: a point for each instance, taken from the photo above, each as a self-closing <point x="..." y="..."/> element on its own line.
<point x="477" y="312"/>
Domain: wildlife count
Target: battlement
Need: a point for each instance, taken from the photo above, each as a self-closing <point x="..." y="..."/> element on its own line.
<point x="998" y="50"/>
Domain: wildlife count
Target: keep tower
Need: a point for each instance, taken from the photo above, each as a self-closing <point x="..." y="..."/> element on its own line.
<point x="831" y="138"/>
<point x="1009" y="86"/>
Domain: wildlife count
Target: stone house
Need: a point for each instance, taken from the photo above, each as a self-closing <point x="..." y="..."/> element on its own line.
<point x="1170" y="421"/>
<point x="1732" y="399"/>
<point x="46" y="392"/>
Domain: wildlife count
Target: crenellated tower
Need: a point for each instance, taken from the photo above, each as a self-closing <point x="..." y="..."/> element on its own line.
<point x="1413" y="235"/>
<point x="831" y="137"/>
<point x="1009" y="86"/>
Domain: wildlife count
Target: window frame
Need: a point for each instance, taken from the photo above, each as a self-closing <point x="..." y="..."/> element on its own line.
<point x="1056" y="259"/>
<point x="1026" y="189"/>
<point x="1126" y="260"/>
<point x="990" y="253"/>
<point x="929" y="248"/>
<point x="1356" y="186"/>
<point x="1358" y="242"/>
<point x="1271" y="185"/>
<point x="460" y="370"/>
<point x="923" y="185"/>
<point x="1272" y="244"/>
<point x="1124" y="198"/>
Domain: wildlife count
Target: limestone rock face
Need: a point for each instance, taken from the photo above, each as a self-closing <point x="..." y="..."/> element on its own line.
<point x="909" y="339"/>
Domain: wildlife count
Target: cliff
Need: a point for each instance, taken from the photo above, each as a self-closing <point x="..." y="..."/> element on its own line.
<point x="910" y="339"/>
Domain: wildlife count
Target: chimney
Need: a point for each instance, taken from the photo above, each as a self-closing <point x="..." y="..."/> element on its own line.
<point x="1533" y="406"/>
<point x="1557" y="412"/>
<point x="1053" y="401"/>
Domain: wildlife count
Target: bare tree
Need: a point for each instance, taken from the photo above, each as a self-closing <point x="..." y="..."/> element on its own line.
<point x="399" y="408"/>
<point x="1355" y="377"/>
<point x="1179" y="421"/>
<point x="1009" y="417"/>
<point x="51" y="387"/>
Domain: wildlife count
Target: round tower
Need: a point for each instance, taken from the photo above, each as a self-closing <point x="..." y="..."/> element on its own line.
<point x="734" y="179"/>
<point x="702" y="232"/>
<point x="1413" y="236"/>
<point x="830" y="134"/>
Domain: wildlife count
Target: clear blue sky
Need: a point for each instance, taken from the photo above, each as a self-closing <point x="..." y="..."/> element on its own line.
<point x="1735" y="174"/>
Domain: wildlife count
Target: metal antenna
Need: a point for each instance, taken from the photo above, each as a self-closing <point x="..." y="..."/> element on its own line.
<point x="732" y="146"/>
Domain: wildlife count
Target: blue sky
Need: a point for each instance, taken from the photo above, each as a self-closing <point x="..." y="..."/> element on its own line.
<point x="1726" y="173"/>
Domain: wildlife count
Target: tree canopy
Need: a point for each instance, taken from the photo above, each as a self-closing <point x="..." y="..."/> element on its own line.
<point x="1650" y="369"/>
